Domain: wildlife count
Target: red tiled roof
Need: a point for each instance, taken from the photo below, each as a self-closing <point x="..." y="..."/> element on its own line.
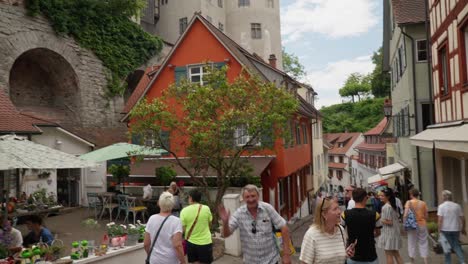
<point x="336" y="138"/>
<point x="10" y="118"/>
<point x="140" y="88"/>
<point x="372" y="147"/>
<point x="378" y="129"/>
<point x="36" y="120"/>
<point x="335" y="165"/>
<point x="409" y="11"/>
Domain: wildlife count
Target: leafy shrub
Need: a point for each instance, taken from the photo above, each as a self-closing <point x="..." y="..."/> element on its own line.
<point x="106" y="28"/>
<point x="165" y="175"/>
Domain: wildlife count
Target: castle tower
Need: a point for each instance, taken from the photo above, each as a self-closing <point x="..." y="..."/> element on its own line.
<point x="254" y="24"/>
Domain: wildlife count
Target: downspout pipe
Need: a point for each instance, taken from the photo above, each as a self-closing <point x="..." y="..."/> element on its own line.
<point x="431" y="92"/>
<point x="415" y="101"/>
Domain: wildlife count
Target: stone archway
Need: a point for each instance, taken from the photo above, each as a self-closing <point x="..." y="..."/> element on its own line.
<point x="44" y="83"/>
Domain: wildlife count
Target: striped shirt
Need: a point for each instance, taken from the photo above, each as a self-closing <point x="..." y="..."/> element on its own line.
<point x="321" y="248"/>
<point x="258" y="248"/>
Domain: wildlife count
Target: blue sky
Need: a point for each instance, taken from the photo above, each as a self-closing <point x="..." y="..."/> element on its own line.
<point x="332" y="38"/>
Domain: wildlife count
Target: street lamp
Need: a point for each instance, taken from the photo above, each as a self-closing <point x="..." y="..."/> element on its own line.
<point x="387" y="108"/>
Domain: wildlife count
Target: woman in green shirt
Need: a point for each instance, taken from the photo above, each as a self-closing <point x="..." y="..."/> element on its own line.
<point x="196" y="221"/>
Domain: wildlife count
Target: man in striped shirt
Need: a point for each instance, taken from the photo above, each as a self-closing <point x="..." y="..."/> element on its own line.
<point x="255" y="221"/>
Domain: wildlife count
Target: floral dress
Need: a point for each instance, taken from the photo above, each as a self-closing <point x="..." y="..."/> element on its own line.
<point x="390" y="237"/>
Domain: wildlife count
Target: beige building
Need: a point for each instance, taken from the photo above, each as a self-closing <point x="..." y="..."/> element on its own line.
<point x="254" y="24"/>
<point x="406" y="59"/>
<point x="319" y="146"/>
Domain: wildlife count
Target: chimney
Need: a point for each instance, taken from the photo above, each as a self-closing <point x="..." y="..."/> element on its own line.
<point x="272" y="60"/>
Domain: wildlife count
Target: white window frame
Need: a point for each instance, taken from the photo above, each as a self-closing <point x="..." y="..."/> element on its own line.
<point x="419" y="50"/>
<point x="242" y="137"/>
<point x="202" y="72"/>
<point x="256" y="30"/>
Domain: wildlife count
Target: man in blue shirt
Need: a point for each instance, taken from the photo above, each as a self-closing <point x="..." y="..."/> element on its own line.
<point x="37" y="233"/>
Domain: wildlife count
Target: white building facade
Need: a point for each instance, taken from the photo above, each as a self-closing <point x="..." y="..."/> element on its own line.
<point x="254" y="24"/>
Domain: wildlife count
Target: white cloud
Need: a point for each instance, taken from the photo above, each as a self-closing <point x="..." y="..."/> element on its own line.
<point x="333" y="18"/>
<point x="328" y="81"/>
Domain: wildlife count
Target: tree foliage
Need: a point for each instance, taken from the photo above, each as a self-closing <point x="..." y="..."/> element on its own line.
<point x="292" y="65"/>
<point x="203" y="120"/>
<point x="356" y="85"/>
<point x="106" y="28"/>
<point x="352" y="117"/>
<point x="380" y="81"/>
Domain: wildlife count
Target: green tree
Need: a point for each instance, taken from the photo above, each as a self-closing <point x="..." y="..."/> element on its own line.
<point x="353" y="117"/>
<point x="380" y="81"/>
<point x="205" y="119"/>
<point x="356" y="85"/>
<point x="292" y="65"/>
<point x="120" y="172"/>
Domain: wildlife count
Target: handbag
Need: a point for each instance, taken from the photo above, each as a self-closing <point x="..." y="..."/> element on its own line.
<point x="147" y="261"/>
<point x="184" y="242"/>
<point x="410" y="222"/>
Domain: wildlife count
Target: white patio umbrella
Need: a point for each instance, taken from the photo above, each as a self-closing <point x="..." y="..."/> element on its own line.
<point x="20" y="153"/>
<point x="121" y="150"/>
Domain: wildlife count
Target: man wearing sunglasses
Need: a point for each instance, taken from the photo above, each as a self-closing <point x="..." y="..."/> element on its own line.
<point x="255" y="221"/>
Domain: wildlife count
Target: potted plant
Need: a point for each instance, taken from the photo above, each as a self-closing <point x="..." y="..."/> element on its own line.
<point x="142" y="230"/>
<point x="133" y="234"/>
<point x="116" y="234"/>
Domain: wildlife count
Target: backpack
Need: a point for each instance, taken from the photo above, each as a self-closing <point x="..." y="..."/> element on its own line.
<point x="410" y="221"/>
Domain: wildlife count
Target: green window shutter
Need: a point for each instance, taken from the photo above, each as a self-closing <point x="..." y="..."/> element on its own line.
<point x="219" y="65"/>
<point x="267" y="139"/>
<point x="180" y="73"/>
<point x="137" y="139"/>
<point x="165" y="139"/>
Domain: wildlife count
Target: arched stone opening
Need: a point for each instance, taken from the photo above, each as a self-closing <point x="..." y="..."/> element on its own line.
<point x="132" y="81"/>
<point x="44" y="83"/>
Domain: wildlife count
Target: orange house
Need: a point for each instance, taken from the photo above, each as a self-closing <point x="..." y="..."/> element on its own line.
<point x="284" y="170"/>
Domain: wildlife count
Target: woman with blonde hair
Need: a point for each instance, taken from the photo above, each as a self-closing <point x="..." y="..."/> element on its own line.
<point x="324" y="241"/>
<point x="163" y="237"/>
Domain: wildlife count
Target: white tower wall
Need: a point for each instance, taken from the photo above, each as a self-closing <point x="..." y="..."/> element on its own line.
<point x="239" y="19"/>
<point x="235" y="20"/>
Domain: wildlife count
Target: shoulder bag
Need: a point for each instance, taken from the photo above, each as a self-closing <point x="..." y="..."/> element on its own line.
<point x="410" y="222"/>
<point x="184" y="242"/>
<point x="147" y="261"/>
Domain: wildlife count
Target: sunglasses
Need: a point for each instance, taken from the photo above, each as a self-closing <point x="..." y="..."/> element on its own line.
<point x="321" y="206"/>
<point x="254" y="227"/>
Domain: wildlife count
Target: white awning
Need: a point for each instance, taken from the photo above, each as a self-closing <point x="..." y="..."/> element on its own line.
<point x="374" y="179"/>
<point x="455" y="140"/>
<point x="20" y="153"/>
<point x="426" y="138"/>
<point x="391" y="169"/>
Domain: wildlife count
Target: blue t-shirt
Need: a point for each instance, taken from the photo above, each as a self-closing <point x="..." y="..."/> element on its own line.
<point x="46" y="236"/>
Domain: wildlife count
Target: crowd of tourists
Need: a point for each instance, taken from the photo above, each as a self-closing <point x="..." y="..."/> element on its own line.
<point x="370" y="221"/>
<point x="373" y="221"/>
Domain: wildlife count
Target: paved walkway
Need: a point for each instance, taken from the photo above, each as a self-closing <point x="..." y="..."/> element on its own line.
<point x="299" y="228"/>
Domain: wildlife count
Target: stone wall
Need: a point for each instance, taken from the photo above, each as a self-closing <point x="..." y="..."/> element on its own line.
<point x="37" y="63"/>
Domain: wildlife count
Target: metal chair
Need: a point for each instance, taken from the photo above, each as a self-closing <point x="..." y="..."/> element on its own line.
<point x="94" y="203"/>
<point x="107" y="204"/>
<point x="127" y="205"/>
